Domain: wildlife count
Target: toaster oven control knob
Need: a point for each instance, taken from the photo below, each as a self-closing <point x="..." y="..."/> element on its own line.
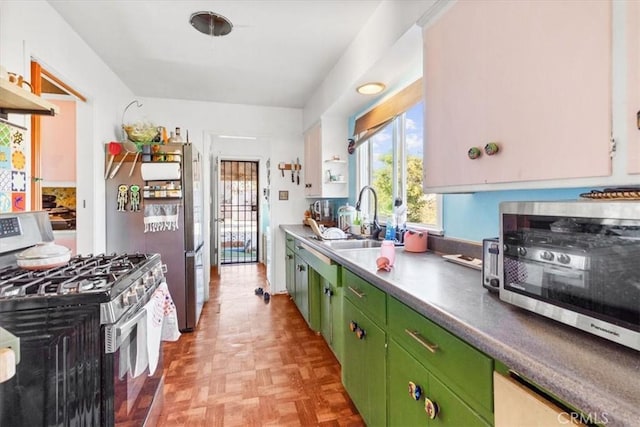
<point x="564" y="259"/>
<point x="546" y="255"/>
<point x="494" y="283"/>
<point x="522" y="251"/>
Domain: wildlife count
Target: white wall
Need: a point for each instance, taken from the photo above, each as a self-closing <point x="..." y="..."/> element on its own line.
<point x="33" y="29"/>
<point x="279" y="129"/>
<point x="373" y="43"/>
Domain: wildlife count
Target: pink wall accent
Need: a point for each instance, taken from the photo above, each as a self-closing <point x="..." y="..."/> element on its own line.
<point x="58" y="149"/>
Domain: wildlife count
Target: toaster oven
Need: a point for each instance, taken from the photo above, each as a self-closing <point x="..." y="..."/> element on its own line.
<point x="575" y="262"/>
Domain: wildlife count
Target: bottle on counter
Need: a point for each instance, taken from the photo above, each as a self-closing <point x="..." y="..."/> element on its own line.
<point x="388" y="250"/>
<point x="390" y="229"/>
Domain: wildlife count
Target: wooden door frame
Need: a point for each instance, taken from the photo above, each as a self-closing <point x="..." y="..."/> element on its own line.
<point x="37" y="73"/>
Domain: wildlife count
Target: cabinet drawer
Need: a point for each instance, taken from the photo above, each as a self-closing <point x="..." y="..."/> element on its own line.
<point x="371" y="300"/>
<point x="465" y="370"/>
<point x="409" y="410"/>
<point x="321" y="263"/>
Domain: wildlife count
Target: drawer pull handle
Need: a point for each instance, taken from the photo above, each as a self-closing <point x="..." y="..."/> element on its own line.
<point x="431" y="408"/>
<point x="357" y="293"/>
<point x="353" y="326"/>
<point x="416" y="336"/>
<point x="415" y="391"/>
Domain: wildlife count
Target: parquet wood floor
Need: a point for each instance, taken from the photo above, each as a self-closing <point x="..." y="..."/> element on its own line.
<point x="249" y="363"/>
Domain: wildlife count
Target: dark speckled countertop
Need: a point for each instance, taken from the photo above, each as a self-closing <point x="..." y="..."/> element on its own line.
<point x="597" y="376"/>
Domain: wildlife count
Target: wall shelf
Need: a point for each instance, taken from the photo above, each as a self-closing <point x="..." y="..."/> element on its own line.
<point x="16" y="100"/>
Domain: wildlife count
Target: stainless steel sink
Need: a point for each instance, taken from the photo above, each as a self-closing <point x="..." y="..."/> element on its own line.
<point x="353" y="243"/>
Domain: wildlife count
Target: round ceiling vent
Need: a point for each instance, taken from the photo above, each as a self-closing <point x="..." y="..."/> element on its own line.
<point x="211" y="24"/>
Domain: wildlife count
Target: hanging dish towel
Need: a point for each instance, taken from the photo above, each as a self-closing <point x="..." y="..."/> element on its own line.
<point x="170" y="330"/>
<point x="162" y="323"/>
<point x="160" y="217"/>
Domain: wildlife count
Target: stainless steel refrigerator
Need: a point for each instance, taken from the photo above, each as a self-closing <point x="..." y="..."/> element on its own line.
<point x="181" y="248"/>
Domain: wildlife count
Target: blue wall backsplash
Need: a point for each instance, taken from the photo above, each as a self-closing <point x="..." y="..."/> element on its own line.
<point x="475" y="216"/>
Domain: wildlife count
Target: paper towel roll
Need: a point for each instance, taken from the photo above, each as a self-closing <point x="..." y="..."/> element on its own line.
<point x="160" y="171"/>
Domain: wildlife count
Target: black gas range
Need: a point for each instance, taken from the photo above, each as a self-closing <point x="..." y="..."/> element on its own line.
<point x="80" y="332"/>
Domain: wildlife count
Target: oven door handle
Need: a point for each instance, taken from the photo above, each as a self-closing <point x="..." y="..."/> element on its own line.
<point x="568" y="274"/>
<point x="116" y="333"/>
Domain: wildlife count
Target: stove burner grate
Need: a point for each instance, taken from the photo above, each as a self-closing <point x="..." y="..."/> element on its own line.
<point x="83" y="274"/>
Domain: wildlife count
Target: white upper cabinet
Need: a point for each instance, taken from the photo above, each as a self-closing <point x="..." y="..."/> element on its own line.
<point x="632" y="111"/>
<point x="325" y="167"/>
<point x="533" y="77"/>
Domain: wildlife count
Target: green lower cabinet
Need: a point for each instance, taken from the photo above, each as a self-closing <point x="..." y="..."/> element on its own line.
<point x="364" y="371"/>
<point x="290" y="272"/>
<point x="301" y="295"/>
<point x="418" y="398"/>
<point x="315" y="298"/>
<point x="331" y="324"/>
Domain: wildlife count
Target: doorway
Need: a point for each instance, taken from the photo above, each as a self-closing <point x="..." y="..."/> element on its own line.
<point x="239" y="212"/>
<point x="54" y="155"/>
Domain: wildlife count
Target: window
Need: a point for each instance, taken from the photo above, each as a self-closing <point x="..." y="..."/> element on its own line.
<point x="391" y="162"/>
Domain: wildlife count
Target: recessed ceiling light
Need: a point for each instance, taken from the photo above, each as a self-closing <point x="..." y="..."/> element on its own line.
<point x="370" y="88"/>
<point x="211" y="23"/>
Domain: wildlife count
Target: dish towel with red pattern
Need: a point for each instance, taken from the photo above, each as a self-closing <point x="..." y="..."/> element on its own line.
<point x="162" y="323"/>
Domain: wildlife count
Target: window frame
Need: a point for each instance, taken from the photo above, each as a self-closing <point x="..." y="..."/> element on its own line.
<point x="364" y="160"/>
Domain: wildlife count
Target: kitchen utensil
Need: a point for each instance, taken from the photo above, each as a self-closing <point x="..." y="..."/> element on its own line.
<point x="114" y="149"/>
<point x="42" y="256"/>
<point x="292" y="171"/>
<point x="298" y="170"/>
<point x="132" y="148"/>
<point x="314" y="227"/>
<point x="117" y="168"/>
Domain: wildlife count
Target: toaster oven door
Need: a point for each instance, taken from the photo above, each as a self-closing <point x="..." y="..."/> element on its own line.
<point x="539" y="280"/>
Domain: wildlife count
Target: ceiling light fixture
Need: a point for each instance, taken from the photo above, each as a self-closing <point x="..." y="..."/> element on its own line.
<point x="370" y="88"/>
<point x="211" y="23"/>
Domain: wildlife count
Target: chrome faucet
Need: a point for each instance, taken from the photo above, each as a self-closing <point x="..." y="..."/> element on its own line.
<point x="375" y="232"/>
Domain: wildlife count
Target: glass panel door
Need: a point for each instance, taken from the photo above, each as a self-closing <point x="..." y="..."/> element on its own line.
<point x="239" y="211"/>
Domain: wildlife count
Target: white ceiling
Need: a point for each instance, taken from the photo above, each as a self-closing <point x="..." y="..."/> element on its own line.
<point x="278" y="53"/>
